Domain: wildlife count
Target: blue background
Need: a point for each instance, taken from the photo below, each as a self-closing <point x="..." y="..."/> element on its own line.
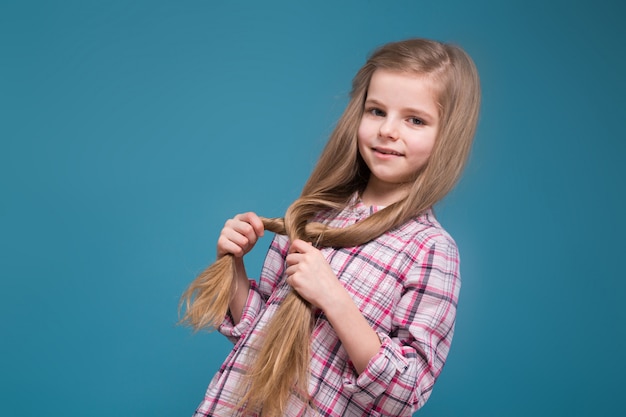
<point x="130" y="131"/>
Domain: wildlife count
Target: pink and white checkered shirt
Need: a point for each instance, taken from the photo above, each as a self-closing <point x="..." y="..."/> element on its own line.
<point x="406" y="284"/>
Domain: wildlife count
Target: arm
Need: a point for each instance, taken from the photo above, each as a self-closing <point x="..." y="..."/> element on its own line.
<point x="240" y="290"/>
<point x="250" y="297"/>
<point x="310" y="275"/>
<point x="394" y="373"/>
<point x="357" y="336"/>
<point x="400" y="378"/>
<point x="237" y="238"/>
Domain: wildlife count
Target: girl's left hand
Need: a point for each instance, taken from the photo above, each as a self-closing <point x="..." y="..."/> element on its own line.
<point x="310" y="275"/>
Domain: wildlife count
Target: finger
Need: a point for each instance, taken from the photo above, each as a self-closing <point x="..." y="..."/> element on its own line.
<point x="238" y="237"/>
<point x="300" y="246"/>
<point x="289" y="280"/>
<point x="226" y="246"/>
<point x="240" y="227"/>
<point x="293" y="259"/>
<point x="255" y="221"/>
<point x="292" y="279"/>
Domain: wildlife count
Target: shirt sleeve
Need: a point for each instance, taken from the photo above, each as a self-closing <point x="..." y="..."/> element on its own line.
<point x="259" y="293"/>
<point x="254" y="305"/>
<point x="399" y="378"/>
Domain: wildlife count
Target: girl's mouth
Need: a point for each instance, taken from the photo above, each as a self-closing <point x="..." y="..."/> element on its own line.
<point x="387" y="152"/>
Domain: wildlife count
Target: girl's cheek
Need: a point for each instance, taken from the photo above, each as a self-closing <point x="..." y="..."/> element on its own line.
<point x="363" y="134"/>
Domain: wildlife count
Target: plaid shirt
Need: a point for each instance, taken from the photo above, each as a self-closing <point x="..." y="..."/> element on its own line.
<point x="406" y="284"/>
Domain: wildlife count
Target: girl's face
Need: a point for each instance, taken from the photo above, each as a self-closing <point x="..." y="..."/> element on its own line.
<point x="397" y="132"/>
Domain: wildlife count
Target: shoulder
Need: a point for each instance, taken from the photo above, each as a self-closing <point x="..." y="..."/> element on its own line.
<point x="422" y="230"/>
<point x="425" y="243"/>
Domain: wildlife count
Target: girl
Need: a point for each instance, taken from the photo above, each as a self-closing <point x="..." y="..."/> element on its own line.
<point x="354" y="310"/>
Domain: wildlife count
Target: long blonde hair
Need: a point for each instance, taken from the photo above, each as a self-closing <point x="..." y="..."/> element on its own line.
<point x="281" y="369"/>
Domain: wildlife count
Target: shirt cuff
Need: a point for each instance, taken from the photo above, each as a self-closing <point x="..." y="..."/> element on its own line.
<point x="250" y="311"/>
<point x="377" y="377"/>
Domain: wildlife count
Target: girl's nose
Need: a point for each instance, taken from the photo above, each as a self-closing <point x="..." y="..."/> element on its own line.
<point x="388" y="129"/>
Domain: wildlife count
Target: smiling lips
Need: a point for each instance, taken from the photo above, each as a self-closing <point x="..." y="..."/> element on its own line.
<point x="385" y="151"/>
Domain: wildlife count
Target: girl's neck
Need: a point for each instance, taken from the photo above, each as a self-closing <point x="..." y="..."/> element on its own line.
<point x="382" y="195"/>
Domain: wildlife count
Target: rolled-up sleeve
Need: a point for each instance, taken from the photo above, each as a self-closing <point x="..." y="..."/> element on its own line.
<point x="254" y="304"/>
<point x="399" y="378"/>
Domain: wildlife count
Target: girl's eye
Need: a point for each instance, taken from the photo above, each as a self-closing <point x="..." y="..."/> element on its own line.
<point x="416" y="121"/>
<point x="377" y="112"/>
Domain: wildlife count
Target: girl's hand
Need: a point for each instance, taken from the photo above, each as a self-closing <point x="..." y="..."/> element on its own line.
<point x="239" y="235"/>
<point x="310" y="275"/>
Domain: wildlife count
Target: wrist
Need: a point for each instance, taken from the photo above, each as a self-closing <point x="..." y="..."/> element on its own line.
<point x="336" y="301"/>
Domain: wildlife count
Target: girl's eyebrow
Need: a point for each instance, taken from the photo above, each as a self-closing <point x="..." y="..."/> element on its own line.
<point x="372" y="101"/>
<point x="411" y="110"/>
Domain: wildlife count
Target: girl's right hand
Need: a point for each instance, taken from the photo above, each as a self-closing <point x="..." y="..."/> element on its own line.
<point x="239" y="235"/>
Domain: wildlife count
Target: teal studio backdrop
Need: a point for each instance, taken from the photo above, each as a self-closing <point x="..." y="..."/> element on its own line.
<point x="130" y="131"/>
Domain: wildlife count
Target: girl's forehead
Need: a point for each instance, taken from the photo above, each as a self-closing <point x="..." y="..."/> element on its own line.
<point x="401" y="83"/>
<point x="422" y="77"/>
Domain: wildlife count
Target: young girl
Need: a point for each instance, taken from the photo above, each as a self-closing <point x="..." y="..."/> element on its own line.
<point x="354" y="310"/>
